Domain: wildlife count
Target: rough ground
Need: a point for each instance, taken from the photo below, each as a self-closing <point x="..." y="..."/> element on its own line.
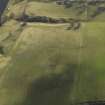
<point x="50" y="55"/>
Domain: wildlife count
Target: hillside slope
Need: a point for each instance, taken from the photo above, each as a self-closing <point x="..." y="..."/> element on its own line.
<point x="51" y="63"/>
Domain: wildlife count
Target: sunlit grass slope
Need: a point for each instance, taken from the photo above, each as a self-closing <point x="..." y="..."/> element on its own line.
<point x="90" y="83"/>
<point x="46" y="64"/>
<point x="45" y="58"/>
<point x="45" y="9"/>
<point x="9" y="33"/>
<point x="49" y="67"/>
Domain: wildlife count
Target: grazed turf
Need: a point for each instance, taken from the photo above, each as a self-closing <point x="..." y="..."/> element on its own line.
<point x="50" y="65"/>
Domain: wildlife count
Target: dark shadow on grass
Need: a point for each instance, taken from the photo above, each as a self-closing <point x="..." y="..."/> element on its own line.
<point x="52" y="89"/>
<point x="3" y="5"/>
<point x="99" y="102"/>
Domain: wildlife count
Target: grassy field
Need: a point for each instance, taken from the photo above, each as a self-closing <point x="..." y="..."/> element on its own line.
<point x="48" y="53"/>
<point x="51" y="66"/>
<point x="49" y="9"/>
<point x="90" y="82"/>
<point x="46" y="64"/>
